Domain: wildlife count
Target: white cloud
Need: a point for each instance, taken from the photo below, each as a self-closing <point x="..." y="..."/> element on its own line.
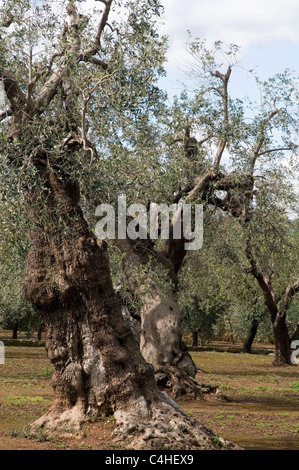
<point x="243" y="22"/>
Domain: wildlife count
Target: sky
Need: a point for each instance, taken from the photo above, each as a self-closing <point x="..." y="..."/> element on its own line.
<point x="266" y="30"/>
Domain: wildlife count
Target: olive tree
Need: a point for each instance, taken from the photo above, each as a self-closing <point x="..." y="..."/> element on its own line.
<point x="216" y="150"/>
<point x="57" y="67"/>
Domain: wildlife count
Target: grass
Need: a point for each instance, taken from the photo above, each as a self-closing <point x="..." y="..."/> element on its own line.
<point x="22" y="400"/>
<point x="218" y="441"/>
<point x="26" y="433"/>
<point x="263" y="401"/>
<point x="82" y="445"/>
<point x="294" y="387"/>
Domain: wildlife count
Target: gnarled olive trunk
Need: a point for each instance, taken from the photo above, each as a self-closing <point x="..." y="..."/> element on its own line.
<point x="97" y="362"/>
<point x="161" y="332"/>
<point x="282" y="341"/>
<point x="277" y="310"/>
<point x="95" y="356"/>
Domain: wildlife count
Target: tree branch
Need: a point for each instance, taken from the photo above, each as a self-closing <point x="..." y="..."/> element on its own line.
<point x="103" y="22"/>
<point x="21" y="106"/>
<point x="174" y="249"/>
<point x="277" y="150"/>
<point x="49" y="90"/>
<point x="86" y="98"/>
<point x="289" y="293"/>
<point x="86" y="56"/>
<point x="263" y="281"/>
<point x="13" y="91"/>
<point x="224" y="94"/>
<point x="260" y="143"/>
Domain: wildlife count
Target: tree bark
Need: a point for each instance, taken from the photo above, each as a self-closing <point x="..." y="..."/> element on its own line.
<point x="250" y="337"/>
<point x="161" y="332"/>
<point x="277" y="311"/>
<point x="97" y="362"/>
<point x="15" y="330"/>
<point x="39" y="331"/>
<point x="295" y="333"/>
<point x="195" y="338"/>
<point x="98" y="368"/>
<point x="282" y="341"/>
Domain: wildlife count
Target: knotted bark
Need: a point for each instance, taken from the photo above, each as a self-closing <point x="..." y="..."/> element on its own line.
<point x="98" y="366"/>
<point x="161" y="334"/>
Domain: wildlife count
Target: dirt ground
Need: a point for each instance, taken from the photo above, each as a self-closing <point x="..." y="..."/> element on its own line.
<point x="261" y="410"/>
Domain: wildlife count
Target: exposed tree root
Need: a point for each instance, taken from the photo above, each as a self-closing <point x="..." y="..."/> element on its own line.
<point x="140" y="426"/>
<point x="169" y="428"/>
<point x="179" y="384"/>
<point x="67" y="423"/>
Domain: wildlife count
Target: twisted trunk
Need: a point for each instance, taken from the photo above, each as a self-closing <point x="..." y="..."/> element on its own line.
<point x="282" y="341"/>
<point x="250" y="337"/>
<point x="161" y="333"/>
<point x="195" y="338"/>
<point x="276" y="311"/>
<point x="97" y="362"/>
<point x="68" y="280"/>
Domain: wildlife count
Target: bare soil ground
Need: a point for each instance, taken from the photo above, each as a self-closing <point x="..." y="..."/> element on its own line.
<point x="261" y="410"/>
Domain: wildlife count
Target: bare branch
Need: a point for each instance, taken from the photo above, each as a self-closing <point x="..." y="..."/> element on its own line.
<point x="21" y="106"/>
<point x="279" y="149"/>
<point x="219" y="153"/>
<point x="86" y="98"/>
<point x="46" y="71"/>
<point x="51" y="61"/>
<point x="263" y="281"/>
<point x="86" y="56"/>
<point x="201" y="185"/>
<point x="49" y="90"/>
<point x="224" y="94"/>
<point x="103" y="22"/>
<point x="260" y="143"/>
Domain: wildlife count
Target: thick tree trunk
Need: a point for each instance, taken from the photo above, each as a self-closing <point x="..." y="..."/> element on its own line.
<point x="161" y="344"/>
<point x="15" y="330"/>
<point x="97" y="362"/>
<point x="195" y="338"/>
<point x="161" y="333"/>
<point x="282" y="341"/>
<point x="250" y="337"/>
<point x="39" y="331"/>
<point x="277" y="313"/>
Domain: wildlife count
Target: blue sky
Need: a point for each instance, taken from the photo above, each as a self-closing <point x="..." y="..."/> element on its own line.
<point x="266" y="30"/>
